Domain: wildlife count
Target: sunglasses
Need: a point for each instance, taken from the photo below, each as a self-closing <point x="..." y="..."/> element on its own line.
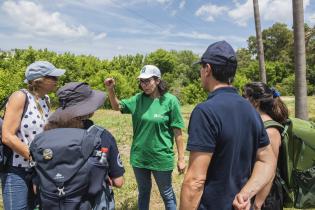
<point x="51" y="77"/>
<point x="145" y="81"/>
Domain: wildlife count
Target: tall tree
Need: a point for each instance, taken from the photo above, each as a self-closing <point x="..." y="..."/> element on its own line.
<point x="299" y="60"/>
<point x="260" y="47"/>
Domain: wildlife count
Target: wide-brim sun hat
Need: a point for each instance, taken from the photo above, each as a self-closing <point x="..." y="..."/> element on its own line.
<point x="77" y="99"/>
<point x="149" y="71"/>
<point x="40" y="69"/>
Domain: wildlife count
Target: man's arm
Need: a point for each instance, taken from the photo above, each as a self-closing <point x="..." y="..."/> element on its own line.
<point x="194" y="180"/>
<point x="263" y="172"/>
<point x="118" y="181"/>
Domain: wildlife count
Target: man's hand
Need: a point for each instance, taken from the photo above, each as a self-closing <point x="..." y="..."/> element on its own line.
<point x="241" y="201"/>
<point x="109" y="83"/>
<point x="181" y="166"/>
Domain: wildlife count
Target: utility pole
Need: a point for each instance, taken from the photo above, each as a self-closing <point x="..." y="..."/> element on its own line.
<point x="301" y="110"/>
<point x="260" y="47"/>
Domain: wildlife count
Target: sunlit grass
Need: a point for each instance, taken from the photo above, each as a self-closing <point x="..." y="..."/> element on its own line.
<point x="120" y="126"/>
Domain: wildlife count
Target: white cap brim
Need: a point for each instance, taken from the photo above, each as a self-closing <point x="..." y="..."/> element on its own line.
<point x="147" y="76"/>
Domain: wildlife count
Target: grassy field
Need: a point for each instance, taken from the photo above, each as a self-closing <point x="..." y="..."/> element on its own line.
<point x="120" y="126"/>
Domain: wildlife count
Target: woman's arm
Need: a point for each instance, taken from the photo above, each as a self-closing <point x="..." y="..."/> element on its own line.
<point x="11" y="123"/>
<point x="110" y="84"/>
<point x="180" y="149"/>
<point x="275" y="141"/>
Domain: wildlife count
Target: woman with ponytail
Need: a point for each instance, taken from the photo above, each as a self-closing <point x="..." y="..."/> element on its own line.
<point x="26" y="113"/>
<point x="268" y="103"/>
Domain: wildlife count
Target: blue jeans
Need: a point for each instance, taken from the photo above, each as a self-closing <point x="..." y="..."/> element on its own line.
<point x="16" y="189"/>
<point x="164" y="182"/>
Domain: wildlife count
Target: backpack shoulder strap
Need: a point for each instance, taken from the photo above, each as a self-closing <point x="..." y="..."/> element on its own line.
<point x="26" y="101"/>
<point x="95" y="130"/>
<point x="274" y="124"/>
<point x="93" y="140"/>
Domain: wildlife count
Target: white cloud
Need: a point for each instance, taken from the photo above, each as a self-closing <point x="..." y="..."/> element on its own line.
<point x="32" y="18"/>
<point x="242" y="13"/>
<point x="204" y="36"/>
<point x="209" y="11"/>
<point x="182" y="4"/>
<point x="270" y="10"/>
<point x="164" y="1"/>
<point x="100" y="36"/>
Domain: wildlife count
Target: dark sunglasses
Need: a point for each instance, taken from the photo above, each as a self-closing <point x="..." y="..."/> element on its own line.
<point x="52" y="78"/>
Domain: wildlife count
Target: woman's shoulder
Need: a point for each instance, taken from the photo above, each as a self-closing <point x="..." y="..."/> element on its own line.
<point x="170" y="96"/>
<point x="18" y="98"/>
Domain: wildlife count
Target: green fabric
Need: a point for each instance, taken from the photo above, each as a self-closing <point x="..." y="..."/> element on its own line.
<point x="297" y="162"/>
<point x="153" y="121"/>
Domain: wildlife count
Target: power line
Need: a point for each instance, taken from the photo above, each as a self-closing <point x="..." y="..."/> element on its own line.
<point x="139" y="15"/>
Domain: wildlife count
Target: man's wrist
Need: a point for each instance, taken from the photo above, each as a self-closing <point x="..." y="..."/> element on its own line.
<point x="181" y="158"/>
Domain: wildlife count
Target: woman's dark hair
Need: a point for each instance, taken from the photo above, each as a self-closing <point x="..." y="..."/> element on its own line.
<point x="223" y="73"/>
<point x="267" y="100"/>
<point x="77" y="122"/>
<point x="162" y="86"/>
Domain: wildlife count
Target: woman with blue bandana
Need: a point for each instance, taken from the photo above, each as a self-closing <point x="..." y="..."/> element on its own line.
<point x="26" y="113"/>
<point x="271" y="108"/>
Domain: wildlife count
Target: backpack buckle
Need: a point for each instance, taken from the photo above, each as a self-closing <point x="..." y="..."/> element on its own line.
<point x="32" y="163"/>
<point x="61" y="191"/>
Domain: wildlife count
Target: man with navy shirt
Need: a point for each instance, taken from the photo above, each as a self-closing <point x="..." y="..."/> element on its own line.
<point x="230" y="156"/>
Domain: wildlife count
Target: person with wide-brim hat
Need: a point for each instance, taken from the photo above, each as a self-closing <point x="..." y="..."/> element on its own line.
<point x="77" y="99"/>
<point x="26" y="113"/>
<point x="77" y="103"/>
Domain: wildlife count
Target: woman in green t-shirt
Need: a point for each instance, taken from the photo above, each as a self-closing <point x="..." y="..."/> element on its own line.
<point x="156" y="120"/>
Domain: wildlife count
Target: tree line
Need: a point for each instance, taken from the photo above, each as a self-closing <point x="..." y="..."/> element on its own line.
<point x="176" y="66"/>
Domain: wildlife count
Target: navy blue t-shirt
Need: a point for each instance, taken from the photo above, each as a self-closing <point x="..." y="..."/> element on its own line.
<point x="116" y="168"/>
<point x="228" y="126"/>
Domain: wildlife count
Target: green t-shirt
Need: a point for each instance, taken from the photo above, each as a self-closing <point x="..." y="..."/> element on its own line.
<point x="153" y="121"/>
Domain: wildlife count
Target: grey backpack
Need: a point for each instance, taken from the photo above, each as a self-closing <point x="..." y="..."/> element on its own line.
<point x="68" y="167"/>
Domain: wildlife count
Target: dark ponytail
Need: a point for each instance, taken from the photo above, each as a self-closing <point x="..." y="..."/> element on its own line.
<point x="267" y="100"/>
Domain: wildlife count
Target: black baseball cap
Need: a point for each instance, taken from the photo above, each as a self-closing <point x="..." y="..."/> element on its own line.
<point x="219" y="53"/>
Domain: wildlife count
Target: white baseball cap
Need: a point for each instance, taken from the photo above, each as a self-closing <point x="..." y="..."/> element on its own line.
<point x="149" y="71"/>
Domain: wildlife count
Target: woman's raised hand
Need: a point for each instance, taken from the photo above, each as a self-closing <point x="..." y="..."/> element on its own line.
<point x="109" y="83"/>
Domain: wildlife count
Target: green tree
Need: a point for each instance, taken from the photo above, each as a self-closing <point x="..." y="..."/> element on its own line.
<point x="163" y="59"/>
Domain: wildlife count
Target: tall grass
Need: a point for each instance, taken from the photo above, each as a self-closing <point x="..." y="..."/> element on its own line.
<point x="120" y="126"/>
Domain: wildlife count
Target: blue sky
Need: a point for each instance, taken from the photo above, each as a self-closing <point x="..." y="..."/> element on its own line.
<point x="107" y="28"/>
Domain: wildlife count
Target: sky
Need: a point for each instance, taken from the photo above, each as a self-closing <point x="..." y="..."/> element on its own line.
<point x="108" y="28"/>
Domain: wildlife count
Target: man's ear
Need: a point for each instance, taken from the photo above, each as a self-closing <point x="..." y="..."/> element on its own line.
<point x="208" y="69"/>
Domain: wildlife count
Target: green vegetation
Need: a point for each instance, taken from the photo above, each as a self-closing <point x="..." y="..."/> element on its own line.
<point x="178" y="72"/>
<point x="176" y="67"/>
